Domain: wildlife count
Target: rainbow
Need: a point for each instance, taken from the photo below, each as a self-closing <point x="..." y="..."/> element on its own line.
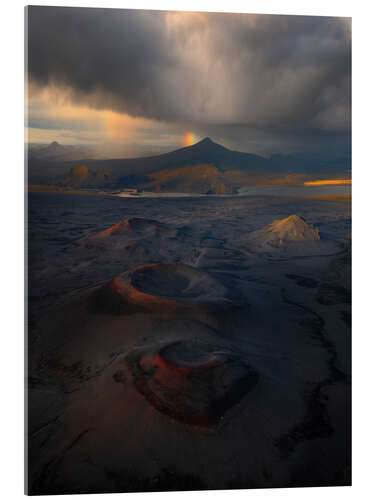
<point x="189" y="139"/>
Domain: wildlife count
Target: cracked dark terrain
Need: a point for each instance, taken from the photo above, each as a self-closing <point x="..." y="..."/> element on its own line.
<point x="198" y="344"/>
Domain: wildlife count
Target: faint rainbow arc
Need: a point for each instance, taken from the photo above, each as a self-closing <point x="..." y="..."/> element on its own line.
<point x="189" y="139"/>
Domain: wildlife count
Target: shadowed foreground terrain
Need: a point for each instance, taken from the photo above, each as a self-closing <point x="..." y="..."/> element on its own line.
<point x="180" y="344"/>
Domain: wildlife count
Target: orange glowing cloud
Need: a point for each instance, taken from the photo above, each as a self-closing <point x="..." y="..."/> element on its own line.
<point x="65" y="121"/>
<point x="328" y="182"/>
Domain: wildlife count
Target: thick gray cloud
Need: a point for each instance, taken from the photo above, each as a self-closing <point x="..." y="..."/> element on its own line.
<point x="282" y="74"/>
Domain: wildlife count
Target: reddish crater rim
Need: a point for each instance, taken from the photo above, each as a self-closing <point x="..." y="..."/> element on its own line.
<point x="123" y="286"/>
<point x="132" y="224"/>
<point x="191" y="381"/>
<point x="160" y="288"/>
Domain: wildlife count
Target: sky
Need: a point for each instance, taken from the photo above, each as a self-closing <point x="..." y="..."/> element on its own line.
<point x="135" y="83"/>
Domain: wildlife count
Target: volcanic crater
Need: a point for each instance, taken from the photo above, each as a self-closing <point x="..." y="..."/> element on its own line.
<point x="118" y="236"/>
<point x="191" y="381"/>
<point x="163" y="287"/>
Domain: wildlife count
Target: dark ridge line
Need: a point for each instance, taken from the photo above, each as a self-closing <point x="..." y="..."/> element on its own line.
<point x="43" y="426"/>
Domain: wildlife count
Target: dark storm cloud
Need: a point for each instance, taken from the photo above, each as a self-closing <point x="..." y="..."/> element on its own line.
<point x="277" y="73"/>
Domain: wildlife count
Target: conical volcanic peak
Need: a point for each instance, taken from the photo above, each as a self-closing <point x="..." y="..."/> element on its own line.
<point x="207" y="145"/>
<point x="292" y="228"/>
<point x="206" y="140"/>
<point x="56" y="147"/>
<point x="290" y="237"/>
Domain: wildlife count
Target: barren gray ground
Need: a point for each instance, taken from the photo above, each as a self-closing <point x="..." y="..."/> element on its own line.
<point x="229" y="368"/>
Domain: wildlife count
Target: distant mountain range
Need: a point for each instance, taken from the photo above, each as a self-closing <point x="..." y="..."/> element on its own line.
<point x="58" y="152"/>
<point x="205" y="167"/>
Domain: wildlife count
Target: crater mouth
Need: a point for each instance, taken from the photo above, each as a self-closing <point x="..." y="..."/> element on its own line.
<point x="192" y="355"/>
<point x="193" y="382"/>
<point x="161" y="288"/>
<point x="141" y="224"/>
<point x="178" y="281"/>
